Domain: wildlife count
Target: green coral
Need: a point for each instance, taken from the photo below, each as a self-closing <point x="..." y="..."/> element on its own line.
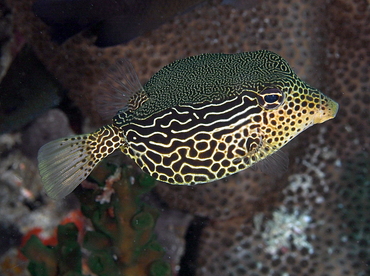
<point x="122" y="242"/>
<point x="63" y="259"/>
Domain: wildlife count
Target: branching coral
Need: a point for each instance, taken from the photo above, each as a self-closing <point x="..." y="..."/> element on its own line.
<point x="63" y="259"/>
<point x="122" y="242"/>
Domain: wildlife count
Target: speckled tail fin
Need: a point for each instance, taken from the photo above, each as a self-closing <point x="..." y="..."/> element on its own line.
<point x="66" y="162"/>
<point x="119" y="85"/>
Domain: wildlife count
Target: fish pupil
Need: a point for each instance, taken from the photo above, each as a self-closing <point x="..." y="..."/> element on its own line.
<point x="271" y="98"/>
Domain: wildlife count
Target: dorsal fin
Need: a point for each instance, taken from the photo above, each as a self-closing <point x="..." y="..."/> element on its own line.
<point x="120" y="84"/>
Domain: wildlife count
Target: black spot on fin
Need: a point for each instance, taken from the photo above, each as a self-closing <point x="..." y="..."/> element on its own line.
<point x="120" y="84"/>
<point x="275" y="164"/>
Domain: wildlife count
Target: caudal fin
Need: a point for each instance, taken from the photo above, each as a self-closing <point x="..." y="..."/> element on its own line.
<point x="66" y="162"/>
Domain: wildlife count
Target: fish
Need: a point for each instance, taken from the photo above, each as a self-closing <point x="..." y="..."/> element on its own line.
<point x="196" y="120"/>
<point x="114" y="21"/>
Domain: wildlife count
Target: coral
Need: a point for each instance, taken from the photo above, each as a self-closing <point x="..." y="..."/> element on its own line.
<point x="23" y="207"/>
<point x="326" y="42"/>
<point x="123" y="229"/>
<point x="122" y="242"/>
<point x="10" y="265"/>
<point x="284" y="230"/>
<point x="62" y="259"/>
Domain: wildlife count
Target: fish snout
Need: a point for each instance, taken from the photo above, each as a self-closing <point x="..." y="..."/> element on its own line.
<point x="328" y="110"/>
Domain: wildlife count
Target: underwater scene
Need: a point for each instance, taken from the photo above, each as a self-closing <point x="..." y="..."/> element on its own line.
<point x="169" y="137"/>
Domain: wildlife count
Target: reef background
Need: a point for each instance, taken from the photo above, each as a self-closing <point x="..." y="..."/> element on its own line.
<point x="312" y="221"/>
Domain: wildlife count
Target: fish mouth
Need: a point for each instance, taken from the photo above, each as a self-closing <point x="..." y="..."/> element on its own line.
<point x="328" y="110"/>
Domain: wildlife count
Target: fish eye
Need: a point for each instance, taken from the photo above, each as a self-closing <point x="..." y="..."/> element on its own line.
<point x="271" y="98"/>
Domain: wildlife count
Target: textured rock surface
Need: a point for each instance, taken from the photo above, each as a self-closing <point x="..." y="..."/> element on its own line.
<point x="327" y="187"/>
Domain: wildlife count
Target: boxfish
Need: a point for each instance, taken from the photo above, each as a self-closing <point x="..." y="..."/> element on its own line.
<point x="197" y="120"/>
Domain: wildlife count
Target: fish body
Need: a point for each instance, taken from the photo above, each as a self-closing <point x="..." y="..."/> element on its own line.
<point x="196" y="120"/>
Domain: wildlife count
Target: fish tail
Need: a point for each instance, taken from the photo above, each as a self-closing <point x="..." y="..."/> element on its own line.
<point x="66" y="162"/>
